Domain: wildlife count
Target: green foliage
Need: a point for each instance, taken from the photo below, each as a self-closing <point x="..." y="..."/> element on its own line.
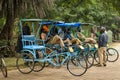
<point x="3" y="42"/>
<point x="114" y="26"/>
<point x="98" y="12"/>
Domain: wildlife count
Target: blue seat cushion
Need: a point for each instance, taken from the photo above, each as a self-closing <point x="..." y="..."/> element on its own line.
<point x="38" y="47"/>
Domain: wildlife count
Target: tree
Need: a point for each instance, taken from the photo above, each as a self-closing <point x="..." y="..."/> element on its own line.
<point x="12" y="9"/>
<point x="98" y="12"/>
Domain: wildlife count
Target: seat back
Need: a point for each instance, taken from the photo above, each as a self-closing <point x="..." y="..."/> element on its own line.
<point x="29" y="40"/>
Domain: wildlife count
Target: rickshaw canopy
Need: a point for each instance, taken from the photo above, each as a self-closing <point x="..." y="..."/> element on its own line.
<point x="73" y="24"/>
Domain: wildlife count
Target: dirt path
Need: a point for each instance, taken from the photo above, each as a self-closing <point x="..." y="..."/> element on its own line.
<point x="110" y="72"/>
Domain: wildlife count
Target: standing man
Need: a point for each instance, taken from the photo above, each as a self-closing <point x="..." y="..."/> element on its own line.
<point x="102" y="43"/>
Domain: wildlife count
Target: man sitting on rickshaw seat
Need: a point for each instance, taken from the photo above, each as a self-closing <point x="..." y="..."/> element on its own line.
<point x="68" y="38"/>
<point x="56" y="40"/>
<point x="53" y="38"/>
<point x="26" y="29"/>
<point x="44" y="31"/>
<point x="59" y="39"/>
<point x="83" y="38"/>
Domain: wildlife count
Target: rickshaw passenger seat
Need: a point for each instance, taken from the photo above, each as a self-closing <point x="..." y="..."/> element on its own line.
<point x="30" y="42"/>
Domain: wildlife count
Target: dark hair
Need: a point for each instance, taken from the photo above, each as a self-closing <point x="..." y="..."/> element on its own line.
<point x="102" y="29"/>
<point x="68" y="30"/>
<point x="63" y="29"/>
<point x="79" y="29"/>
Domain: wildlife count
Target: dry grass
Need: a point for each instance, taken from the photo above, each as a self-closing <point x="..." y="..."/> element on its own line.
<point x="11" y="63"/>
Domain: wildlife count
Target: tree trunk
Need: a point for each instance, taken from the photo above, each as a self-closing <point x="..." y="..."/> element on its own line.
<point x="7" y="31"/>
<point x="12" y="10"/>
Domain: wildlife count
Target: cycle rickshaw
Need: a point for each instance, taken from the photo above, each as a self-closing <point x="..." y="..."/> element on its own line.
<point x="112" y="54"/>
<point x="31" y="46"/>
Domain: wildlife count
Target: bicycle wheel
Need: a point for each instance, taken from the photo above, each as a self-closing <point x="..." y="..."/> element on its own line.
<point x="96" y="57"/>
<point x="90" y="59"/>
<point x="38" y="66"/>
<point x="77" y="66"/>
<point x="25" y="62"/>
<point x="59" y="58"/>
<point x="3" y="67"/>
<point x="113" y="54"/>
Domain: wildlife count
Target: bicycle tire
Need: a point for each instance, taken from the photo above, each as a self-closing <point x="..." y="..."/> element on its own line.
<point x="78" y="61"/>
<point x="96" y="57"/>
<point x="113" y="54"/>
<point x="90" y="59"/>
<point x="59" y="59"/>
<point x="39" y="66"/>
<point x="3" y="68"/>
<point x="25" y="63"/>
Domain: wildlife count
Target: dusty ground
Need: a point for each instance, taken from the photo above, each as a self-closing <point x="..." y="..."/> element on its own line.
<point x="110" y="72"/>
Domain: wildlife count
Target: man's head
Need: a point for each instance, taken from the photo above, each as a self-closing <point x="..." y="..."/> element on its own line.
<point x="102" y="29"/>
<point x="45" y="28"/>
<point x="79" y="29"/>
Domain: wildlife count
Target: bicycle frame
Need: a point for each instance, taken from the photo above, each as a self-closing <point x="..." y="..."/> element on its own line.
<point x="55" y="55"/>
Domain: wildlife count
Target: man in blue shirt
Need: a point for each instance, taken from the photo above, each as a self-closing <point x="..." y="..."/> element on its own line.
<point x="102" y="43"/>
<point x="68" y="38"/>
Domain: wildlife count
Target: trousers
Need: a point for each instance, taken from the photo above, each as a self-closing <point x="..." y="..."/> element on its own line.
<point x="102" y="55"/>
<point x="57" y="40"/>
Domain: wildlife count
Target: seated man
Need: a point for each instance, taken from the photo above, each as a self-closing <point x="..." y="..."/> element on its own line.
<point x="53" y="38"/>
<point x="80" y="35"/>
<point x="44" y="31"/>
<point x="26" y="29"/>
<point x="56" y="40"/>
<point x="83" y="38"/>
<point x="68" y="38"/>
<point x="93" y="33"/>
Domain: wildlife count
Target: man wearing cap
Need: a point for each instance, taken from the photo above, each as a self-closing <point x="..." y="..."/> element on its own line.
<point x="102" y="43"/>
